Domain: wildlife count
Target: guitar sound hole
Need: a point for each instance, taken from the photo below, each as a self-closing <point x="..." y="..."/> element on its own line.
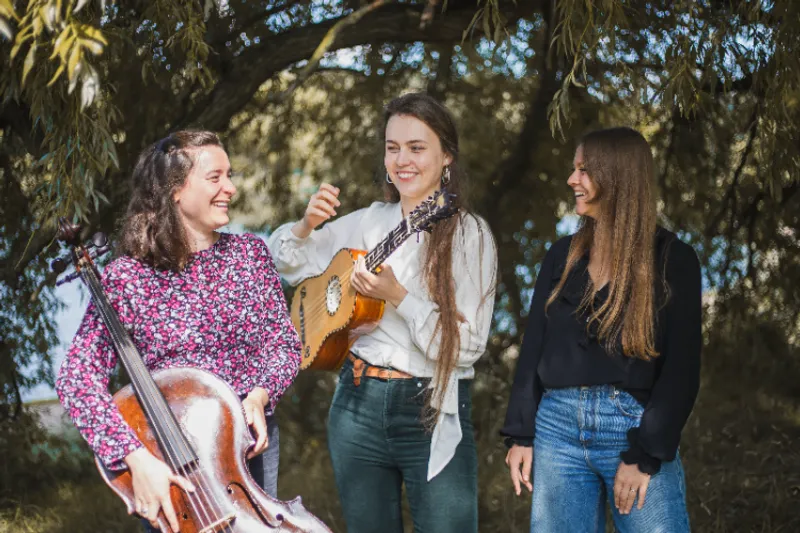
<point x="333" y="295"/>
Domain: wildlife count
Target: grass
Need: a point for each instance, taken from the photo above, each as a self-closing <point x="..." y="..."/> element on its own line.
<point x="741" y="451"/>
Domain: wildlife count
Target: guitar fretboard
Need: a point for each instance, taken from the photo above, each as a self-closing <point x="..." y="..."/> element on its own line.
<point x="387" y="246"/>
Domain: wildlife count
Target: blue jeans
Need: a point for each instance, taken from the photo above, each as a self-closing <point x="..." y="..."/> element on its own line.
<point x="580" y="432"/>
<point x="377" y="443"/>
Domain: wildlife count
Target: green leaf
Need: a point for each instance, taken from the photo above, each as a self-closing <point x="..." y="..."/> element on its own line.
<point x="93" y="33"/>
<point x="22" y="36"/>
<point x="93" y="46"/>
<point x="5" y="29"/>
<point x="29" y="60"/>
<point x="56" y="75"/>
<point x="74" y="60"/>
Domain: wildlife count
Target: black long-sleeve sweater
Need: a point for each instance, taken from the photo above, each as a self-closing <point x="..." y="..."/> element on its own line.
<point x="559" y="351"/>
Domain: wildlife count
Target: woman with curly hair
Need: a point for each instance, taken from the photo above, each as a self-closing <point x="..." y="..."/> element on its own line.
<point x="189" y="297"/>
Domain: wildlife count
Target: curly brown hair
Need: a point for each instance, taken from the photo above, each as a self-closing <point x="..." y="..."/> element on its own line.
<point x="152" y="230"/>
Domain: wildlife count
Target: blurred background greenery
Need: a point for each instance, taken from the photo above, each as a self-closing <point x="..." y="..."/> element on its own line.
<point x="296" y="88"/>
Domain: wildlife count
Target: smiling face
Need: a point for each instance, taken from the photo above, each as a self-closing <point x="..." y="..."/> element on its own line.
<point x="204" y="198"/>
<point x="414" y="159"/>
<point x="584" y="187"/>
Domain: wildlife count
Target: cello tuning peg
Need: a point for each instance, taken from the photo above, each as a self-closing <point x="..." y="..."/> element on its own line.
<point x="67" y="231"/>
<point x="99" y="239"/>
<point x="58" y="265"/>
<point x="67" y="279"/>
<point x="98" y="252"/>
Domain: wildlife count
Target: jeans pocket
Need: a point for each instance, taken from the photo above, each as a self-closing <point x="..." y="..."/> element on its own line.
<point x="346" y="374"/>
<point x="627" y="404"/>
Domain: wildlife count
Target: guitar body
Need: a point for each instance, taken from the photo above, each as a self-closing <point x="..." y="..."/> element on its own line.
<point x="330" y="315"/>
<point x="211" y="416"/>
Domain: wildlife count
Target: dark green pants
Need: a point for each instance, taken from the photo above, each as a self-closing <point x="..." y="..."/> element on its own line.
<point x="377" y="444"/>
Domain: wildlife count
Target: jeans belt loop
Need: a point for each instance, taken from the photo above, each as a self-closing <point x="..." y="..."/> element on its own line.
<point x="358" y="371"/>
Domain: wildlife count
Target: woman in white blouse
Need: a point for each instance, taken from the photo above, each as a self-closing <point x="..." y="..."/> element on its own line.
<point x="414" y="428"/>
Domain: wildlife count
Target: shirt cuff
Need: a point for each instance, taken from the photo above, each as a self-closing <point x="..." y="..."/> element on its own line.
<point x="291" y="239"/>
<point x="517" y="441"/>
<point x="635" y="455"/>
<point x="413" y="308"/>
<point x="115" y="462"/>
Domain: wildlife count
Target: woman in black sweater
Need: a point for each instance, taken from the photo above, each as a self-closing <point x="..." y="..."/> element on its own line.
<point x="609" y="368"/>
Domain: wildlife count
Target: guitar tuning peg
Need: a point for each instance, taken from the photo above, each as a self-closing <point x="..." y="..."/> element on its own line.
<point x="58" y="265"/>
<point x="99" y="239"/>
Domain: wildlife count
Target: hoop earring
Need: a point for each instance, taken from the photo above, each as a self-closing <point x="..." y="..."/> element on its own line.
<point x="388" y="179"/>
<point x="446" y="175"/>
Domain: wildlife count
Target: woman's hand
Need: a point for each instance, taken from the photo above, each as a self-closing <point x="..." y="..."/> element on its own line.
<point x="254" y="405"/>
<point x="321" y="207"/>
<point x="520" y="459"/>
<point x="383" y="285"/>
<point x="628" y="483"/>
<point x="151" y="482"/>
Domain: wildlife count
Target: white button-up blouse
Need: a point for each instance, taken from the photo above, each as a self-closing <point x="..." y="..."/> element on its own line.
<point x="404" y="338"/>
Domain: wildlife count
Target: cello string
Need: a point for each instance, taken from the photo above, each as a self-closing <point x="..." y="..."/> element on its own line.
<point x="137" y="369"/>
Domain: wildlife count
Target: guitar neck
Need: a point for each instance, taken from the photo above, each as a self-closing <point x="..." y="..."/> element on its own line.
<point x="378" y="255"/>
<point x="176" y="448"/>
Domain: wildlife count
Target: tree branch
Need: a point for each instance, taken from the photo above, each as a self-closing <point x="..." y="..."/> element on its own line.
<point x="325" y="45"/>
<point x="392" y="23"/>
<point x="730" y="194"/>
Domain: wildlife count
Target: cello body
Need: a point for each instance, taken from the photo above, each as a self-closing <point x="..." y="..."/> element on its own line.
<point x="211" y="417"/>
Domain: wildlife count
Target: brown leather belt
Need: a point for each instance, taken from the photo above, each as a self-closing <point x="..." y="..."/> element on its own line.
<point x="362" y="368"/>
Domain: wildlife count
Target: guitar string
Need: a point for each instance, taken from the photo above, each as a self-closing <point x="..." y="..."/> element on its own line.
<point x="319" y="310"/>
<point x="148" y="397"/>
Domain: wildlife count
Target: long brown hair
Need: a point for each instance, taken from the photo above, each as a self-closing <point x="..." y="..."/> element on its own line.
<point x="438" y="256"/>
<point x="620" y="163"/>
<point x="152" y="230"/>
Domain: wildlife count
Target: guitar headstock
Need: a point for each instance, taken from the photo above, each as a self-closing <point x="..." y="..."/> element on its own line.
<point x="438" y="207"/>
<point x="80" y="255"/>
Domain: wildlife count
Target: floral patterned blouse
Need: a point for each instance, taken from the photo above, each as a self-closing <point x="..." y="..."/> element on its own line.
<point x="224" y="313"/>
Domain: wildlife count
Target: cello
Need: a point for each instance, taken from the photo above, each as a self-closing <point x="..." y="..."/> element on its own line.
<point x="192" y="421"/>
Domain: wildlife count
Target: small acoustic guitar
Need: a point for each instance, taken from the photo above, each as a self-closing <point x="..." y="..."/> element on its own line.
<point x="328" y="312"/>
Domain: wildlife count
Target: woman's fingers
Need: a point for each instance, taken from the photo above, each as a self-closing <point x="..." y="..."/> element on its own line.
<point x="329" y="195"/>
<point x="323" y="204"/>
<point x="332" y="189"/>
<point x="361" y="277"/>
<point x="519" y="461"/>
<point x="169" y="513"/>
<point x="527" y="462"/>
<point x="642" y="493"/>
<point x="259" y="426"/>
<point x="182" y="482"/>
<point x="628" y="497"/>
<point x="150" y="513"/>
